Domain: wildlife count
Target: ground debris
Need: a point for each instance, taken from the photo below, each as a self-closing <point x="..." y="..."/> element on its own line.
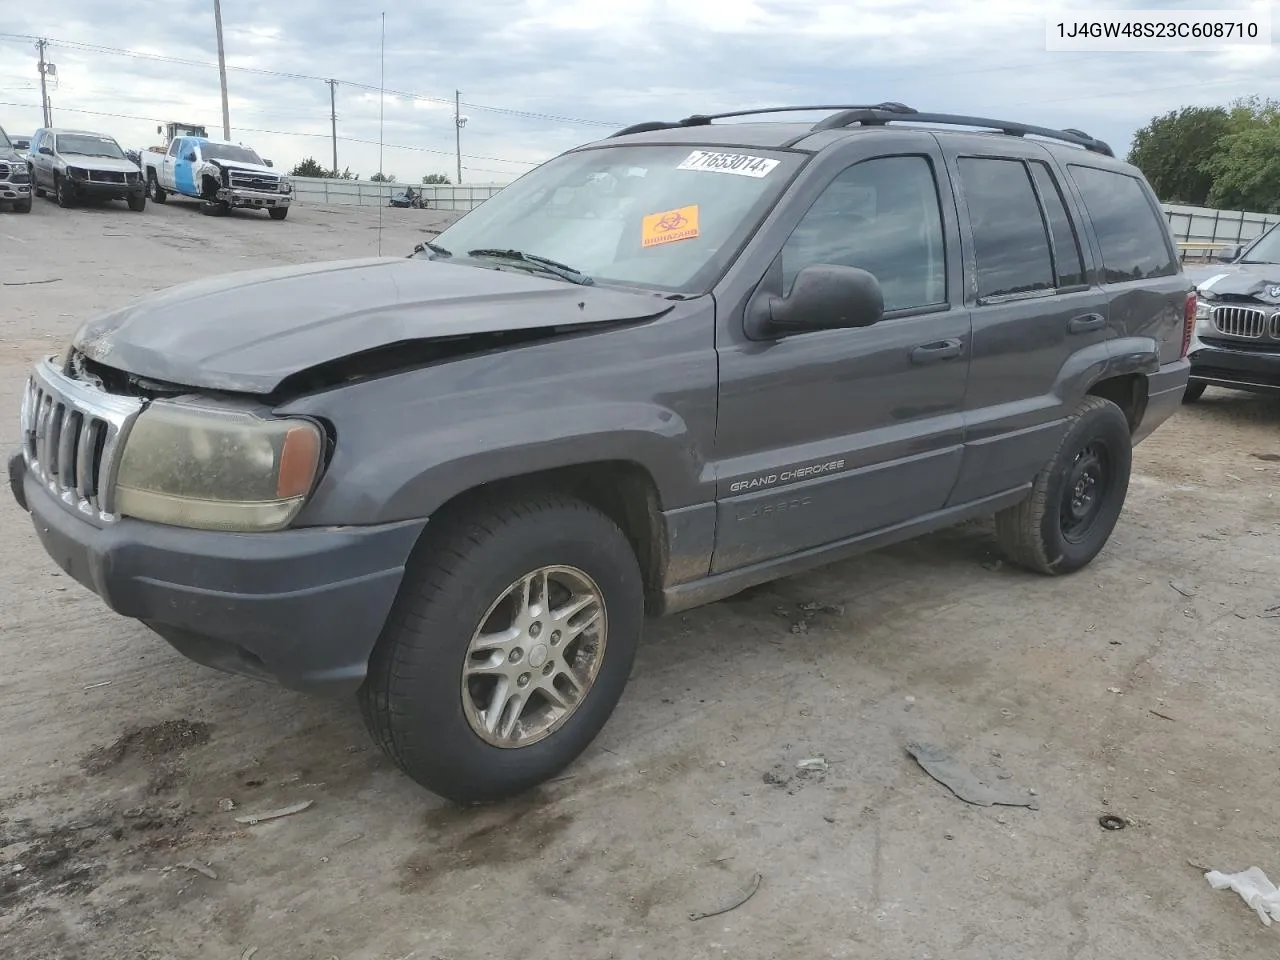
<point x="252" y="818"/>
<point x="156" y="740"/>
<point x="1185" y="591"/>
<point x="755" y="887"/>
<point x="196" y="866"/>
<point x="964" y="783"/>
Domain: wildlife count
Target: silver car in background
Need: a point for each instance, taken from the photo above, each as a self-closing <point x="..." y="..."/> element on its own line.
<point x="78" y="165"/>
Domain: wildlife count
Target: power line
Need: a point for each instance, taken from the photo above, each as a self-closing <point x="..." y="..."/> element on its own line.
<point x="297" y="133"/>
<point x="283" y="75"/>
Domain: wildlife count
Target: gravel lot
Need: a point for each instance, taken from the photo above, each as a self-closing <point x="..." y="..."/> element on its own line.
<point x="1143" y="687"/>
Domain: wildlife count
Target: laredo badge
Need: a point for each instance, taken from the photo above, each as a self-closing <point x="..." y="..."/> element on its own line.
<point x="669" y="226"/>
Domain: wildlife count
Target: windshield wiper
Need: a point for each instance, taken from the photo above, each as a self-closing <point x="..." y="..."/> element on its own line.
<point x="554" y="267"/>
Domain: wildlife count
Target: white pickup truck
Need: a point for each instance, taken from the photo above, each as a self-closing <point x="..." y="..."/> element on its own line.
<point x="224" y="175"/>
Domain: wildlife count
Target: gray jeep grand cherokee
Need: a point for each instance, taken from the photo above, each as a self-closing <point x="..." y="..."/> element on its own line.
<point x="658" y="369"/>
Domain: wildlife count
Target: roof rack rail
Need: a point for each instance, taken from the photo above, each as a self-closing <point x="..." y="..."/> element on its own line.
<point x="874" y="116"/>
<point x="704" y="119"/>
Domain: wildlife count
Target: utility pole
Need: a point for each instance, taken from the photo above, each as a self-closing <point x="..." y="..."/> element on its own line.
<point x="333" y="120"/>
<point x="222" y="71"/>
<point x="458" y="122"/>
<point x="44" y="91"/>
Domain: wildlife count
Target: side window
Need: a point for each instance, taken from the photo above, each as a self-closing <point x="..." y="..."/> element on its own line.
<point x="1066" y="246"/>
<point x="174" y="147"/>
<point x="1130" y="233"/>
<point x="1011" y="245"/>
<point x="883" y="216"/>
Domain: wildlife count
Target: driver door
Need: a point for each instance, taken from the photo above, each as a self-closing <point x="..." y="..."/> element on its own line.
<point x="183" y="169"/>
<point x="827" y="435"/>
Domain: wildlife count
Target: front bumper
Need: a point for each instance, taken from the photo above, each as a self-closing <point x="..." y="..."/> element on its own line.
<point x="238" y="197"/>
<point x="302" y="607"/>
<point x="1165" y="389"/>
<point x="1257" y="371"/>
<point x="14" y="191"/>
<point x="106" y="191"/>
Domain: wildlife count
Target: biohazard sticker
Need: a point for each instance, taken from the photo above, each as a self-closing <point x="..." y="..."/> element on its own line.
<point x="669" y="226"/>
<point x="739" y="163"/>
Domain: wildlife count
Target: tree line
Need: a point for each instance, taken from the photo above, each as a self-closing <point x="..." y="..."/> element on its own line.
<point x="310" y="167"/>
<point x="1227" y="157"/>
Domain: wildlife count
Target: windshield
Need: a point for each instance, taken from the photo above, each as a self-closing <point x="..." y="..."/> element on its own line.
<point x="229" y="151"/>
<point x="1266" y="250"/>
<point x="661" y="216"/>
<point x="88" y="145"/>
<point x="4" y="139"/>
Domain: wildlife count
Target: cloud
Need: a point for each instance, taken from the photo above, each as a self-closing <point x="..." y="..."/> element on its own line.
<point x="531" y="70"/>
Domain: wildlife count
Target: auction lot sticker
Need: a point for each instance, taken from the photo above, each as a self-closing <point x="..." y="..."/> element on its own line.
<point x="739" y="163"/>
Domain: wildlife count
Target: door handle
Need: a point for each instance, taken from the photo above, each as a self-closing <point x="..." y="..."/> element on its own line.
<point x="1086" y="323"/>
<point x="936" y="352"/>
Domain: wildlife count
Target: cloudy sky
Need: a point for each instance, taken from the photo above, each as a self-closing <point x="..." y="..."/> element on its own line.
<point x="538" y="76"/>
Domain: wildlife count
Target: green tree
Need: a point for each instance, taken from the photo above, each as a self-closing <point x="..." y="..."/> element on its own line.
<point x="1245" y="167"/>
<point x="381" y="177"/>
<point x="432" y="178"/>
<point x="309" y="167"/>
<point x="1174" y="151"/>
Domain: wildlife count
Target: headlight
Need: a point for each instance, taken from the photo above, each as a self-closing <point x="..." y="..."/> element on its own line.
<point x="1204" y="314"/>
<point x="76" y="173"/>
<point x="285" y="185"/>
<point x="216" y="469"/>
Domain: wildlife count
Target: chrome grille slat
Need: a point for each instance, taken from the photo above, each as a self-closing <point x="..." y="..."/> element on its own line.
<point x="1275" y="326"/>
<point x="245" y="180"/>
<point x="71" y="438"/>
<point x="1247" y="323"/>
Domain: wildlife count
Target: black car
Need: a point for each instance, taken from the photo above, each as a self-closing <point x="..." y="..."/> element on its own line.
<point x="656" y="370"/>
<point x="1236" y="342"/>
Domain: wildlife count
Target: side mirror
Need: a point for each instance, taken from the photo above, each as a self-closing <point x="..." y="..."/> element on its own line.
<point x="47" y="151"/>
<point x="159" y="129"/>
<point x="1237" y="253"/>
<point x="190" y="157"/>
<point x="268" y="163"/>
<point x="823" y="297"/>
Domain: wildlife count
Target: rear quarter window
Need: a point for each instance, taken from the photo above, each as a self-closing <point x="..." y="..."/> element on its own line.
<point x="1132" y="237"/>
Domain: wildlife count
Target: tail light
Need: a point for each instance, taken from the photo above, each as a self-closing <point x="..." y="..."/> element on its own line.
<point x="1188" y="322"/>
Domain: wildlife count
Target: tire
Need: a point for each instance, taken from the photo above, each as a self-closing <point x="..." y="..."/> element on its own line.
<point x="1033" y="533"/>
<point x="22" y="206"/>
<point x="64" y="192"/>
<point x="157" y="192"/>
<point x="277" y="213"/>
<point x="1193" y="392"/>
<point x="137" y="202"/>
<point x="413" y="696"/>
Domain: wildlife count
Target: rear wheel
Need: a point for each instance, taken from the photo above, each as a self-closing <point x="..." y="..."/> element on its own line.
<point x="1076" y="499"/>
<point x="1193" y="392"/>
<point x="278" y="213"/>
<point x="157" y="192"/>
<point x="507" y="649"/>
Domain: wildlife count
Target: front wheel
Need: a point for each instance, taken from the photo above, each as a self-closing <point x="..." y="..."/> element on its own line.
<point x="507" y="648"/>
<point x="278" y="213"/>
<point x="137" y="202"/>
<point x="1076" y="499"/>
<point x="1193" y="392"/>
<point x="64" y="192"/>
<point x="22" y="206"/>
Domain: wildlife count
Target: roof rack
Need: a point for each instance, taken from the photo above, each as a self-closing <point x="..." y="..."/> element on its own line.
<point x="874" y="116"/>
<point x="879" y="114"/>
<point x="704" y="119"/>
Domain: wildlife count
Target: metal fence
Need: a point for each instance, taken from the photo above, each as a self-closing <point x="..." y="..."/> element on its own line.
<point x="1203" y="233"/>
<point x="365" y="193"/>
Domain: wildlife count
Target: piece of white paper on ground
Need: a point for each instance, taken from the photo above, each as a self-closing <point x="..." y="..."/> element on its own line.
<point x="1254" y="888"/>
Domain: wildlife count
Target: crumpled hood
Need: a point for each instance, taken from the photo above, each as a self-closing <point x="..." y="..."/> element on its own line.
<point x="245" y="332"/>
<point x="106" y="164"/>
<point x="238" y="165"/>
<point x="1258" y="280"/>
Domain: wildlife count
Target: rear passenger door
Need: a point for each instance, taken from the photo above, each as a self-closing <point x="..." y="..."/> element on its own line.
<point x="1037" y="312"/>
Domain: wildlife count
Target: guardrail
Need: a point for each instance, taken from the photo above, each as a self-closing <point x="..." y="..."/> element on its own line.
<point x="461" y="197"/>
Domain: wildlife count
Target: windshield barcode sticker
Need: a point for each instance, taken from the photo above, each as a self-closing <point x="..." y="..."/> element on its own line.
<point x="739" y="163"/>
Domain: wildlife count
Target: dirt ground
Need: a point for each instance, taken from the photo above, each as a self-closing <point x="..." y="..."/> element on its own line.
<point x="1143" y="687"/>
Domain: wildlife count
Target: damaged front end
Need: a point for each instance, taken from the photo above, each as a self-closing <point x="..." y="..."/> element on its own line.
<point x="237" y="185"/>
<point x="1236" y="343"/>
